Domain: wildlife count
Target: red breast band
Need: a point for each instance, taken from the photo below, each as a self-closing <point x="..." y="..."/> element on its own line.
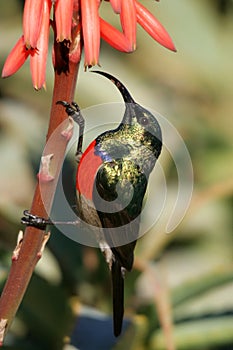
<point x="87" y="170"/>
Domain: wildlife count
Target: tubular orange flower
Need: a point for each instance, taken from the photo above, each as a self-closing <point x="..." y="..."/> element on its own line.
<point x="63" y="18"/>
<point x="153" y="27"/>
<point x="16" y="58"/>
<point x="129" y="21"/>
<point x="91" y="31"/>
<point x="32" y="18"/>
<point x="72" y="19"/>
<point x="39" y="57"/>
<point x="114" y="37"/>
<point x="75" y="48"/>
<point x="116" y="5"/>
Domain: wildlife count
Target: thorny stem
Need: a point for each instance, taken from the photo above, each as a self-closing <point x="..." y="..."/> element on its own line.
<point x="29" y="254"/>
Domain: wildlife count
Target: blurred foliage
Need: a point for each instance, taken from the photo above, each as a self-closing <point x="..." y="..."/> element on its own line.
<point x="186" y="275"/>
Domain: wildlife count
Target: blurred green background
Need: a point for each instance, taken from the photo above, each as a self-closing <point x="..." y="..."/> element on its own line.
<point x="179" y="295"/>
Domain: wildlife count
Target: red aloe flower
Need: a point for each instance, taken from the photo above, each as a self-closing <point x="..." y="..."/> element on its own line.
<point x="39" y="57"/>
<point x="116" y="5"/>
<point x="153" y="26"/>
<point x="32" y="19"/>
<point x="114" y="37"/>
<point x="63" y="19"/>
<point x="67" y="15"/>
<point x="33" y="43"/>
<point x="129" y="21"/>
<point x="16" y="58"/>
<point x="91" y="31"/>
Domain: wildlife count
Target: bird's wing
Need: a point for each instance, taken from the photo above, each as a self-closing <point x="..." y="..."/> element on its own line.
<point x="118" y="195"/>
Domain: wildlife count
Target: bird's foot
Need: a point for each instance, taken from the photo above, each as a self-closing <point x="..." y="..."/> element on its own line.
<point x="73" y="111"/>
<point x="35" y="221"/>
<point x="39" y="222"/>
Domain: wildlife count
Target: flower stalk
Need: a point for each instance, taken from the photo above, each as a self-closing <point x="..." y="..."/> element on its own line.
<point x="31" y="246"/>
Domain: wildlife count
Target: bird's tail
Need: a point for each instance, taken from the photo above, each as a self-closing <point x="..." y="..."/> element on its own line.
<point x="118" y="297"/>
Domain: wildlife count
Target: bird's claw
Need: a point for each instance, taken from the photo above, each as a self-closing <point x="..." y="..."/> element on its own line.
<point x="34" y="220"/>
<point x="73" y="111"/>
<point x="71" y="108"/>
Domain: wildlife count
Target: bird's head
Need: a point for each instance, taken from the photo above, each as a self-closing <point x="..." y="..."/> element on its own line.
<point x="137" y="121"/>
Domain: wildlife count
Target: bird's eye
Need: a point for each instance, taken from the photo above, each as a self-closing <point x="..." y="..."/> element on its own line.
<point x="144" y="121"/>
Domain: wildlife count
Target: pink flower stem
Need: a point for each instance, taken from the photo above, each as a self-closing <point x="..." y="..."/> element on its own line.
<point x="30" y="250"/>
